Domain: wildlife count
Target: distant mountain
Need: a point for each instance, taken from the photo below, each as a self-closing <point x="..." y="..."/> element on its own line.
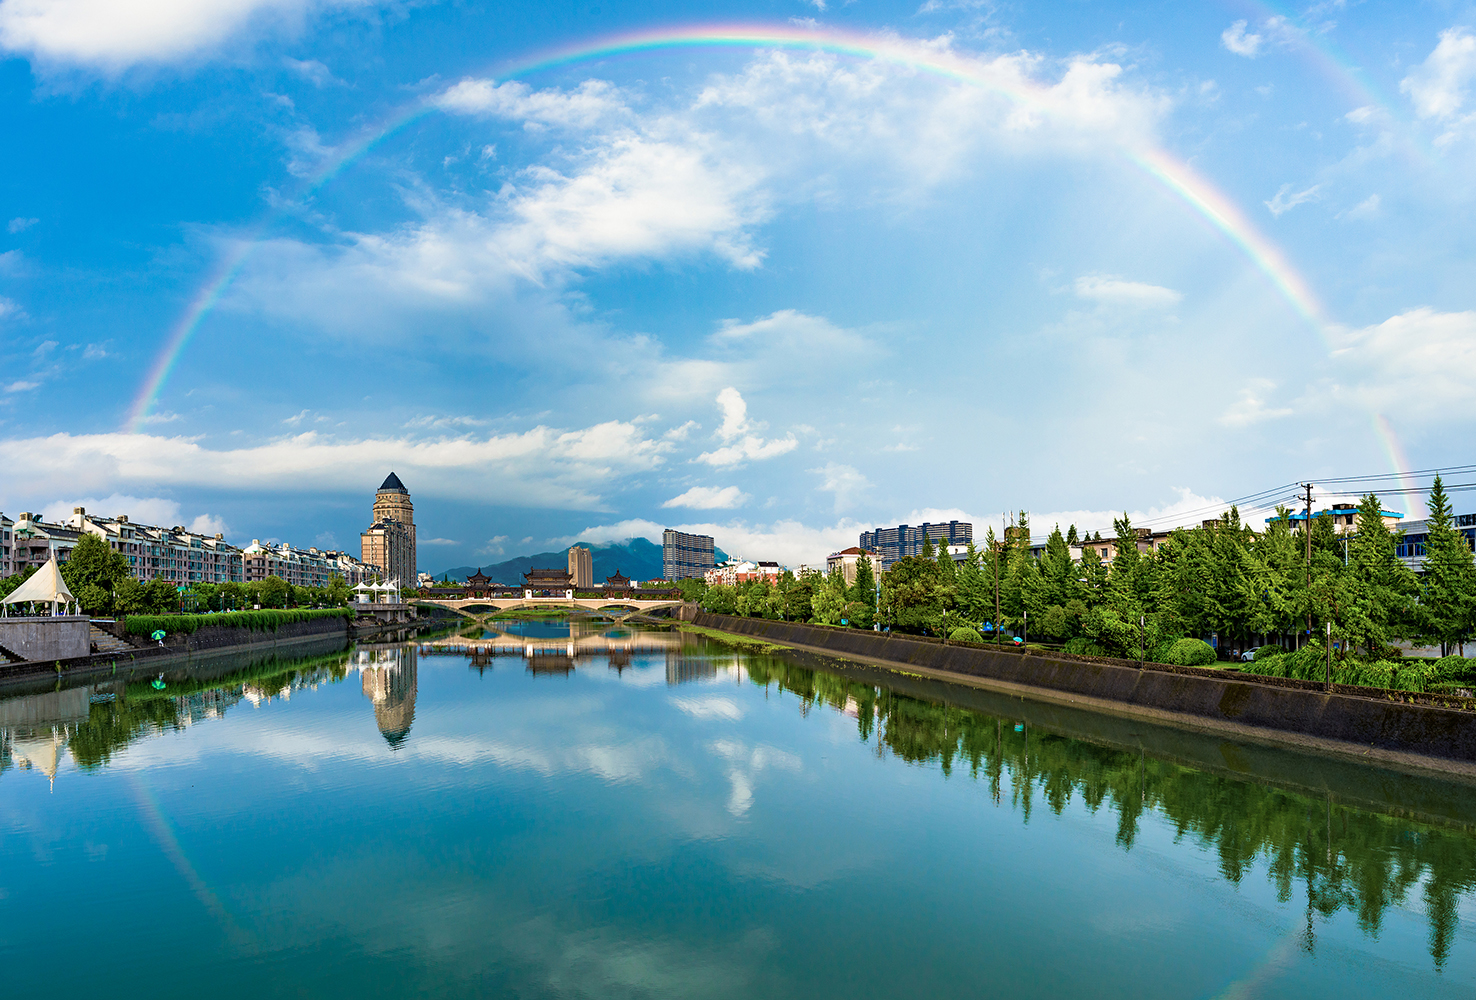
<point x="637" y="558"/>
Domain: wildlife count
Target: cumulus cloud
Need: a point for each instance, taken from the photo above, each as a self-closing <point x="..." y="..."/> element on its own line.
<point x="1112" y="290"/>
<point x="547" y="466"/>
<point x="845" y="483"/>
<point x="20" y="225"/>
<point x="709" y="498"/>
<point x="740" y="437"/>
<point x="158" y="511"/>
<point x="1242" y="42"/>
<point x="1438" y="86"/>
<point x="592" y="103"/>
<point x="114" y="34"/>
<point x="1285" y="200"/>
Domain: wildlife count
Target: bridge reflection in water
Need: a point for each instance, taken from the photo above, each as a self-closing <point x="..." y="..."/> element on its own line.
<point x="686" y="657"/>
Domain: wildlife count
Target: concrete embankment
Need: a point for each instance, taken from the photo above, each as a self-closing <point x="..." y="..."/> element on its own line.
<point x="202" y="643"/>
<point x="1346" y="721"/>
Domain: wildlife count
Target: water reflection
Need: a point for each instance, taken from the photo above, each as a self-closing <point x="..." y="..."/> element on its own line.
<point x="89" y="724"/>
<point x="387" y="675"/>
<point x="734" y="771"/>
<point x="1336" y="856"/>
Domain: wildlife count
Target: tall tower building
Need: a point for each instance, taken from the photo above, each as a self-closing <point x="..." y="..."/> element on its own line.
<point x="581" y="567"/>
<point x="389" y="542"/>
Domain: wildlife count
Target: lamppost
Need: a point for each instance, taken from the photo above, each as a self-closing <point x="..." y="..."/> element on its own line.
<point x="1142" y="638"/>
<point x="1025" y="637"/>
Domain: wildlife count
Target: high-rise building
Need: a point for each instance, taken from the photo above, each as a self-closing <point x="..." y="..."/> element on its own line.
<point x="389" y="542"/>
<point x="906" y="540"/>
<point x="581" y="567"/>
<point x="684" y="555"/>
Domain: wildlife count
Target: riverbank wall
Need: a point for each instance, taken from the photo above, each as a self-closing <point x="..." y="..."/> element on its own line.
<point x="181" y="647"/>
<point x="1416" y="731"/>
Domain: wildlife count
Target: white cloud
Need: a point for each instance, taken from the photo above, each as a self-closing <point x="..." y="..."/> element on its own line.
<point x="844" y="482"/>
<point x="1417" y="366"/>
<point x="20" y="225"/>
<point x="496" y="546"/>
<point x="709" y="498"/>
<point x="556" y="468"/>
<point x="311" y="70"/>
<point x="157" y="511"/>
<point x="592" y="103"/>
<point x="1243" y="43"/>
<point x="1252" y="407"/>
<point x="114" y="34"/>
<point x="1438" y="86"/>
<point x="22" y="385"/>
<point x="1365" y="209"/>
<point x="1285" y="200"/>
<point x="740" y="437"/>
<point x="207" y="524"/>
<point x="1110" y="289"/>
<point x="710" y="708"/>
<point x="437" y="541"/>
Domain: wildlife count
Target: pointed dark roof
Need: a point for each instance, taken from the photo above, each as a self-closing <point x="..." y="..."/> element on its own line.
<point x="392" y="482"/>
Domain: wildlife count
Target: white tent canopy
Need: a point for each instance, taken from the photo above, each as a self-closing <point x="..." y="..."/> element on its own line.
<point x="45" y="586"/>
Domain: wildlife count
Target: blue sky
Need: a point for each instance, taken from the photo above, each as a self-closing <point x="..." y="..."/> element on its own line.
<point x="882" y="262"/>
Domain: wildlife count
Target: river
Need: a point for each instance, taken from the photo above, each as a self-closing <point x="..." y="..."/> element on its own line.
<point x="562" y="810"/>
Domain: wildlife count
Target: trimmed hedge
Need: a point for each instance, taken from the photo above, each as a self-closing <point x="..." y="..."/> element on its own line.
<point x="1191" y="653"/>
<point x="257" y="621"/>
<point x="965" y="634"/>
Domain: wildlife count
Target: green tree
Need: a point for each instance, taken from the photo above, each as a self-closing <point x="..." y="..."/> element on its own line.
<point x="799" y="596"/>
<point x="274" y="592"/>
<point x="92" y="572"/>
<point x="1447" y="596"/>
<point x="861" y="606"/>
<point x="720" y="600"/>
<point x="913" y="596"/>
<point x="829" y="603"/>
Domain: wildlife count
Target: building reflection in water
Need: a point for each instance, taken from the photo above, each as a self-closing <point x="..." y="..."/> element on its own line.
<point x="388" y="678"/>
<point x="687" y="658"/>
<point x="35" y="729"/>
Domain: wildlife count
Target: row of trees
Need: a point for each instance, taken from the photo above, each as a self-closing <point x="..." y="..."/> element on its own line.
<point x="100" y="580"/>
<point x="1222" y="580"/>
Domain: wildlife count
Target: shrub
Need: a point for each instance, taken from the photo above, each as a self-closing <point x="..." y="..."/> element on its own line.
<point x="1085" y="646"/>
<point x="1191" y="653"/>
<point x="261" y="621"/>
<point x="965" y="634"/>
<point x="1268" y="651"/>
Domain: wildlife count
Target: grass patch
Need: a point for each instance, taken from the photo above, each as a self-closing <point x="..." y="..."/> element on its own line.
<point x="730" y="639"/>
<point x="258" y="621"/>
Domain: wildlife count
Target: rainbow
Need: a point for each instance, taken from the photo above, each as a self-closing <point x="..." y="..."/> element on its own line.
<point x="1414" y="496"/>
<point x="1177" y="177"/>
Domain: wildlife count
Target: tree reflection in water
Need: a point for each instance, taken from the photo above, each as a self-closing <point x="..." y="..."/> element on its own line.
<point x="1343" y="857"/>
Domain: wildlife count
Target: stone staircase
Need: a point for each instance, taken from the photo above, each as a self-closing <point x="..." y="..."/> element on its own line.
<point x="9" y="656"/>
<point x="106" y="642"/>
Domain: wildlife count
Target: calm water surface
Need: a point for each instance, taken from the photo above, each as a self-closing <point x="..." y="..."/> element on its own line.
<point x="562" y="811"/>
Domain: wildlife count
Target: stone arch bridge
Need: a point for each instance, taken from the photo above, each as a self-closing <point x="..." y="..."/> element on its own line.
<point x="618" y="608"/>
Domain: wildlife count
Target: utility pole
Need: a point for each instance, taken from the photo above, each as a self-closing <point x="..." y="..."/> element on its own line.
<point x="1308" y="527"/>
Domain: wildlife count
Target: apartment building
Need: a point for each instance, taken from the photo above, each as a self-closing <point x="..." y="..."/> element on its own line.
<point x="176" y="554"/>
<point x="303" y="567"/>
<point x="33" y="542"/>
<point x="6" y="526"/>
<point x="849" y="559"/>
<point x="684" y="555"/>
<point x="905" y="540"/>
<point x="734" y="572"/>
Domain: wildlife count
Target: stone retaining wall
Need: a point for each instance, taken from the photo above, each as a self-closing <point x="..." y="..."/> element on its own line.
<point x="1365" y="720"/>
